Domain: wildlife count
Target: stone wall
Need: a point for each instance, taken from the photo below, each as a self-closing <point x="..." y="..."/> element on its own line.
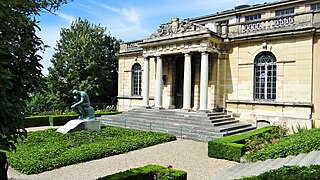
<point x="294" y="79"/>
<point x="316" y="80"/>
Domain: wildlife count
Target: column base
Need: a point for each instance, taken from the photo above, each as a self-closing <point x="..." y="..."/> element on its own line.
<point x="186" y="109"/>
<point x="158" y="108"/>
<point x="203" y="110"/>
<point x="145" y="107"/>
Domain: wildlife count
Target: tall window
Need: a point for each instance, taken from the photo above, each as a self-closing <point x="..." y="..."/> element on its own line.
<point x="265" y="71"/>
<point x="136" y="75"/>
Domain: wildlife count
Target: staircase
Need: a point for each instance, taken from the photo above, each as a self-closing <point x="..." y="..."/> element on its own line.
<point x="188" y="125"/>
<point x="253" y="169"/>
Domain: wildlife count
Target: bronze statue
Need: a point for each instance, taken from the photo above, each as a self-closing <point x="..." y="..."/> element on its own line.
<point x="82" y="105"/>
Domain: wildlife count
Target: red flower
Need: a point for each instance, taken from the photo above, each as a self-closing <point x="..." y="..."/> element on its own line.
<point x="169" y="166"/>
<point x="275" y="141"/>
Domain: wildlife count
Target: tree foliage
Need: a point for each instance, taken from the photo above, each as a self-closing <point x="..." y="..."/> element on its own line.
<point x="84" y="60"/>
<point x="20" y="69"/>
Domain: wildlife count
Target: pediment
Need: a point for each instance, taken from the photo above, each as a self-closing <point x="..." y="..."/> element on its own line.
<point x="176" y="26"/>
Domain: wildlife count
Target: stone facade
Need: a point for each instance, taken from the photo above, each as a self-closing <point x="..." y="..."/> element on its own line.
<point x="249" y="61"/>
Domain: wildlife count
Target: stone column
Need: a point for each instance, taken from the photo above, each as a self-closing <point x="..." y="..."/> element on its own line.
<point x="145" y="80"/>
<point x="158" y="94"/>
<point x="187" y="82"/>
<point x="204" y="81"/>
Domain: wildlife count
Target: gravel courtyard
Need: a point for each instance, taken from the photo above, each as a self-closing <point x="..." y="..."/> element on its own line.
<point x="187" y="155"/>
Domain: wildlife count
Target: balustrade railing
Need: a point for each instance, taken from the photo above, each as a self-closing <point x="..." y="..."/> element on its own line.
<point x="130" y="46"/>
<point x="298" y="20"/>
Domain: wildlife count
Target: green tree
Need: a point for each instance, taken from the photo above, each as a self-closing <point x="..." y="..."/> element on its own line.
<point x="20" y="69"/>
<point x="85" y="59"/>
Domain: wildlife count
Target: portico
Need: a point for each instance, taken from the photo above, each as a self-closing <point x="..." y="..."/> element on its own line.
<point x="174" y="41"/>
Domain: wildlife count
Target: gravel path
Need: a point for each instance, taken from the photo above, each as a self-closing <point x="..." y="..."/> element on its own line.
<point x="187" y="155"/>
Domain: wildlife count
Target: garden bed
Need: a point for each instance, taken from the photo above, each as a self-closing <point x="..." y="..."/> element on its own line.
<point x="302" y="142"/>
<point x="232" y="147"/>
<point x="46" y="150"/>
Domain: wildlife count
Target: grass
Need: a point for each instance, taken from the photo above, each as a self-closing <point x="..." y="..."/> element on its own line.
<point x="303" y="142"/>
<point x="46" y="150"/>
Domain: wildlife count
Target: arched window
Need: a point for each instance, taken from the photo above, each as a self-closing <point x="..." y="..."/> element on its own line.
<point x="265" y="72"/>
<point x="136" y="77"/>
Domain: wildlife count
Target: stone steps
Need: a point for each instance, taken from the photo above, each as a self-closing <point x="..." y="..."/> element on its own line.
<point x="191" y="125"/>
<point x="253" y="169"/>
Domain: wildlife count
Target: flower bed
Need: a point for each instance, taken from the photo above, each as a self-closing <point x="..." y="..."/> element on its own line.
<point x="303" y="142"/>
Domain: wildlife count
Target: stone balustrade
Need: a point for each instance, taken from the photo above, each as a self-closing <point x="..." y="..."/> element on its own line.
<point x="295" y="21"/>
<point x="130" y="46"/>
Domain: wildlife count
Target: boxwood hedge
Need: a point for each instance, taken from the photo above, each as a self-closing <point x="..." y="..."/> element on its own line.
<point x="56" y="120"/>
<point x="232" y="147"/>
<point x="46" y="150"/>
<point x="148" y="173"/>
<point x="34" y="121"/>
<point x="290" y="173"/>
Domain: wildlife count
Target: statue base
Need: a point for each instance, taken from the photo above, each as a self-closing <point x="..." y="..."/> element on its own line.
<point x="78" y="125"/>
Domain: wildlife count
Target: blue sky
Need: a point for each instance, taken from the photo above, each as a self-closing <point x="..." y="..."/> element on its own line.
<point x="126" y="19"/>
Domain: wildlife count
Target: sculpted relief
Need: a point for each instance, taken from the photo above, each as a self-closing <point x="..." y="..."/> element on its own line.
<point x="176" y="26"/>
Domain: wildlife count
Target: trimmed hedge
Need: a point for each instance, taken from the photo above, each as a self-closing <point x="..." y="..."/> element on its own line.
<point x="58" y="120"/>
<point x="34" y="121"/>
<point x="232" y="147"/>
<point x="303" y="142"/>
<point x="148" y="173"/>
<point x="290" y="173"/>
<point x="46" y="150"/>
<point x="99" y="113"/>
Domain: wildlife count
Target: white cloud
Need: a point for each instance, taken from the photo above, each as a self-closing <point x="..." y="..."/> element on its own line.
<point x="67" y="17"/>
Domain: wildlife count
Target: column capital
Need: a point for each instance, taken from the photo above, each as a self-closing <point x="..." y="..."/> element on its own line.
<point x="204" y="52"/>
<point x="158" y="55"/>
<point x="187" y="54"/>
<point x="146" y="57"/>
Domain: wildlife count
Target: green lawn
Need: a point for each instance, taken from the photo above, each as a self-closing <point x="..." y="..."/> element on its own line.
<point x="46" y="150"/>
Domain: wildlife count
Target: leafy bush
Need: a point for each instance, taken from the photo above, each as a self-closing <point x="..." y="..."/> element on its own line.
<point x="303" y="142"/>
<point x="58" y="120"/>
<point x="34" y="121"/>
<point x="232" y="147"/>
<point x="46" y="150"/>
<point x="148" y="172"/>
<point x="290" y="173"/>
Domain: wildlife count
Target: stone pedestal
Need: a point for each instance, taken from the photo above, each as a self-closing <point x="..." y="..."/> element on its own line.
<point x="78" y="125"/>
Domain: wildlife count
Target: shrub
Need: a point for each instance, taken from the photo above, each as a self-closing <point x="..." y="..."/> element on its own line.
<point x="148" y="172"/>
<point x="58" y="120"/>
<point x="33" y="121"/>
<point x="46" y="150"/>
<point x="232" y="147"/>
<point x="290" y="173"/>
<point x="303" y="142"/>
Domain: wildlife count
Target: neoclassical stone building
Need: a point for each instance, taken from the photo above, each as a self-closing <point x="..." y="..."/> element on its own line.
<point x="259" y="62"/>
